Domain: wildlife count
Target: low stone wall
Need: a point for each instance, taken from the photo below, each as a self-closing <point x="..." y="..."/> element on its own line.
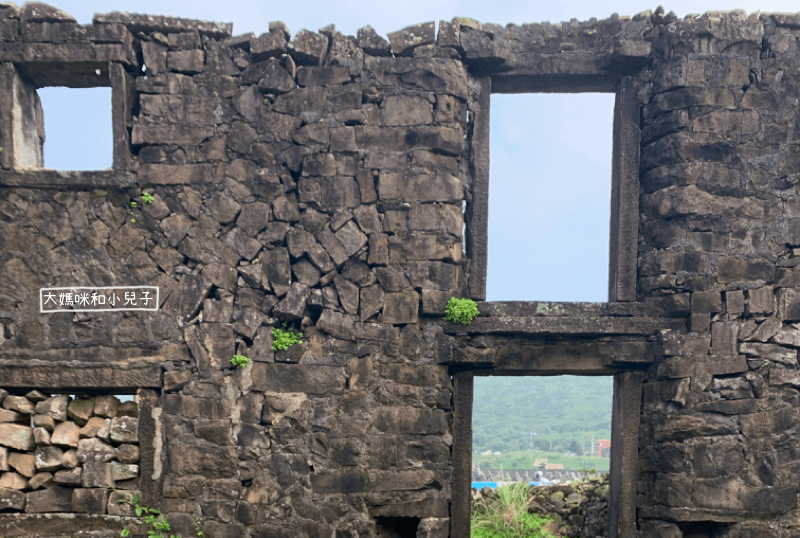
<point x="578" y="510"/>
<point x="64" y="454"/>
<point x="523" y="475"/>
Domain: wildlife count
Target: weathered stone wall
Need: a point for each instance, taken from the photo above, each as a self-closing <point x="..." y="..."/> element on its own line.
<point x="323" y="181"/>
<point x="314" y="181"/>
<point x="719" y="230"/>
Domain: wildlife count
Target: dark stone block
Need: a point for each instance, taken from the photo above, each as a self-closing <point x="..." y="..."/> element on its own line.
<point x="54" y="499"/>
<point x="11" y="500"/>
<point x="277" y="269"/>
<point x="339" y="482"/>
<point x="410" y="420"/>
<point x="273" y="77"/>
<point x="404" y="41"/>
<point x="336" y="324"/>
<point x="301" y="100"/>
<point x="274" y="377"/>
<point x="770" y="500"/>
<point x="89" y="501"/>
<point x="267" y="45"/>
<point x="372" y="43"/>
<point x="293" y="305"/>
<point x="322" y="76"/>
<point x="217" y="461"/>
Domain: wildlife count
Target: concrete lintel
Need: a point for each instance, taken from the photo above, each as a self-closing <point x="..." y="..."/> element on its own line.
<point x="578" y="325"/>
<point x="533" y="80"/>
<point x="85" y="377"/>
<point x="55" y="524"/>
<point x="56" y="179"/>
<point x="68" y="53"/>
<point x="520" y="356"/>
<point x="562" y="309"/>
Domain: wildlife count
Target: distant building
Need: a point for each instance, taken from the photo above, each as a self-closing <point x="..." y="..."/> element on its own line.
<point x="601" y="444"/>
<point x="553" y="466"/>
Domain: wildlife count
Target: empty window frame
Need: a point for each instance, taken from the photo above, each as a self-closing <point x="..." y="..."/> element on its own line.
<point x="77" y="128"/>
<point x="549" y="196"/>
<point x="624" y="203"/>
<point x="65" y="116"/>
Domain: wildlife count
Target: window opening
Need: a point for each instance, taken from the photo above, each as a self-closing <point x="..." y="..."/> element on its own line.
<point x="549" y="196"/>
<point x="61" y="116"/>
<point x="77" y="127"/>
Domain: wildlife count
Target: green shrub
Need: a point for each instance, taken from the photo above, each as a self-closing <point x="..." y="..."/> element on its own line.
<point x="284" y="338"/>
<point x="507" y="516"/>
<point x="460" y="310"/>
<point x="240" y="360"/>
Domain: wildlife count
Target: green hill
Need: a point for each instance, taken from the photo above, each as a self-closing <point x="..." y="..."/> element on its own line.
<point x="557" y="413"/>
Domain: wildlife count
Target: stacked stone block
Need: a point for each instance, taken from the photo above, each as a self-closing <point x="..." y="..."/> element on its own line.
<point x="64" y="454"/>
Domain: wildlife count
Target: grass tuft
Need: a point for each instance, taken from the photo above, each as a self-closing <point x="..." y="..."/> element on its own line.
<point x="506" y="515"/>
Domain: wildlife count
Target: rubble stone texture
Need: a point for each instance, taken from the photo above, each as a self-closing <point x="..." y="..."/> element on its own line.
<point x="323" y="181"/>
<point x="81" y="477"/>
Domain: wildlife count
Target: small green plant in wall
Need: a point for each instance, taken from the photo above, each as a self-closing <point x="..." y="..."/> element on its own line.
<point x="460" y="310"/>
<point x="160" y="524"/>
<point x="285" y="337"/>
<point x="240" y="360"/>
<point x="146" y="198"/>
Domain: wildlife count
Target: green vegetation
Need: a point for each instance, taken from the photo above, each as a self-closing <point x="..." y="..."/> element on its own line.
<point x="284" y="338"/>
<point x="460" y="310"/>
<point x="507" y="515"/>
<point x="160" y="524"/>
<point x="146" y="199"/>
<point x="527" y="459"/>
<point x="240" y="360"/>
<point x="200" y="533"/>
<point x="557" y="414"/>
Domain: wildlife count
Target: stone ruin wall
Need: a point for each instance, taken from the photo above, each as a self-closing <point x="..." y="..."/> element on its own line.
<point x="324" y="181"/>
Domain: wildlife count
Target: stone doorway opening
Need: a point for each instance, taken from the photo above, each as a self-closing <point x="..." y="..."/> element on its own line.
<point x="546" y="431"/>
<point x="626" y="406"/>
